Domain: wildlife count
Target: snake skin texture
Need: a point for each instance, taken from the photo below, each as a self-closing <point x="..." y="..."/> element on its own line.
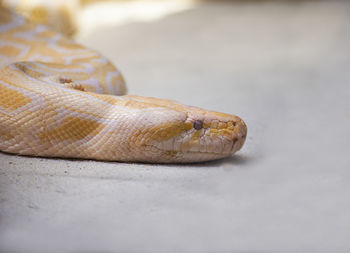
<point x="60" y="15"/>
<point x="60" y="99"/>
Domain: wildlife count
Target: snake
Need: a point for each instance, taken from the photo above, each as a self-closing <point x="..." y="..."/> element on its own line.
<point x="60" y="99"/>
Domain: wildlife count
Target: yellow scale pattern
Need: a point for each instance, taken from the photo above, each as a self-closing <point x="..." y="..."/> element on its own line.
<point x="12" y="100"/>
<point x="72" y="129"/>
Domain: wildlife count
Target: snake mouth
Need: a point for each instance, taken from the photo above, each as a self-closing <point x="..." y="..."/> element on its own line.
<point x="190" y="156"/>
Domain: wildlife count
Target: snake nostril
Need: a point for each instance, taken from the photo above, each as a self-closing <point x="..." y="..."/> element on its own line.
<point x="234" y="123"/>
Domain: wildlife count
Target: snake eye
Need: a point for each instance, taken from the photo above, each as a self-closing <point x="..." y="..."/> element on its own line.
<point x="198" y="124"/>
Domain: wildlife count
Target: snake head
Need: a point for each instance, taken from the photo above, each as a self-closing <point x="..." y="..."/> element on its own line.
<point x="172" y="132"/>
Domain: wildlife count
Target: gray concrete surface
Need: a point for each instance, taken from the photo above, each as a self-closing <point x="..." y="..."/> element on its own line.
<point x="284" y="68"/>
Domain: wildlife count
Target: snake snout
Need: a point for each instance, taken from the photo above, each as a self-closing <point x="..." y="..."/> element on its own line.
<point x="239" y="136"/>
<point x="226" y="136"/>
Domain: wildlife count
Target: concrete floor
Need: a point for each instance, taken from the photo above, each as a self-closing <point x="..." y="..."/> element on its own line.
<point x="282" y="67"/>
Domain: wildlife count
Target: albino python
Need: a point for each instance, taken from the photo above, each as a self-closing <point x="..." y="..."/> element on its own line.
<point x="60" y="99"/>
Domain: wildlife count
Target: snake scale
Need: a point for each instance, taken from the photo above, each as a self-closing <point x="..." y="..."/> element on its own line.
<point x="60" y="99"/>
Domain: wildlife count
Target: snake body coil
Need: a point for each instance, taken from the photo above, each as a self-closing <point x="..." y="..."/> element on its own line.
<point x="60" y="99"/>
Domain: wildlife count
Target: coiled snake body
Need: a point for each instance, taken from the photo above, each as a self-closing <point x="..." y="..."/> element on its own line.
<point x="60" y="99"/>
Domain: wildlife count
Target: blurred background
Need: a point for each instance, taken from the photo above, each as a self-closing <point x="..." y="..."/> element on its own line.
<point x="283" y="66"/>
